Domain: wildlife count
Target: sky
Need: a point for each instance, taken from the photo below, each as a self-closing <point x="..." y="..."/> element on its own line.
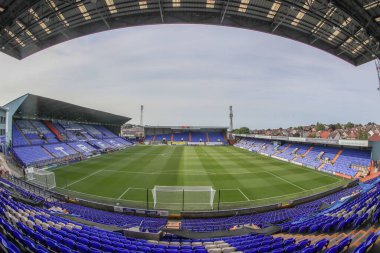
<point x="191" y="74"/>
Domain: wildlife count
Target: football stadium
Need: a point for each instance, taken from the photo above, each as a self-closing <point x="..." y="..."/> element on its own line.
<point x="71" y="182"/>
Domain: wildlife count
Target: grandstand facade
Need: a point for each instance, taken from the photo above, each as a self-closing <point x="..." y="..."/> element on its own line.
<point x="186" y="135"/>
<point x="44" y="131"/>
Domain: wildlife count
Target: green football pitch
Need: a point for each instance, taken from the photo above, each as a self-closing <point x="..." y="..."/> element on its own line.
<point x="240" y="178"/>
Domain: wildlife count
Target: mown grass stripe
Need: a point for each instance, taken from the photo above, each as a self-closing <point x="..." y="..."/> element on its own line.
<point x="142" y="167"/>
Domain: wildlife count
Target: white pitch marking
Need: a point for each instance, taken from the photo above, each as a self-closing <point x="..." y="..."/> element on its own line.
<point x="83" y="178"/>
<point x="172" y="172"/>
<point x="245" y="196"/>
<point x="286" y="180"/>
<point x="124" y="193"/>
<point x="296" y="192"/>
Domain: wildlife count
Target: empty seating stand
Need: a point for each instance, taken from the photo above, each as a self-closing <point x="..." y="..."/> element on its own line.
<point x="39" y="229"/>
<point x="40" y="143"/>
<point x="334" y="160"/>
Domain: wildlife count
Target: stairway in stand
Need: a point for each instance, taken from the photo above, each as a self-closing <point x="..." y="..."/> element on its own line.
<point x="22" y="134"/>
<point x="48" y="152"/>
<point x="337" y="156"/>
<point x="282" y="150"/>
<point x="307" y="152"/>
<point x="53" y="129"/>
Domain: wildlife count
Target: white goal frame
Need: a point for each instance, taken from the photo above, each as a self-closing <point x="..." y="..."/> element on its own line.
<point x="200" y="197"/>
<point x="41" y="177"/>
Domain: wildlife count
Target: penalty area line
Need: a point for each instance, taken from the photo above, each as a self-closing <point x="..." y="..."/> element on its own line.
<point x="283" y="179"/>
<point x="245" y="196"/>
<point x="83" y="178"/>
<point x="124" y="193"/>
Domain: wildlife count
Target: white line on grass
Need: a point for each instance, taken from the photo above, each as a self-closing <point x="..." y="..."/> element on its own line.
<point x="124" y="193"/>
<point x="164" y="172"/>
<point x="83" y="178"/>
<point x="231" y="189"/>
<point x="172" y="172"/>
<point x="299" y="187"/>
<point x="296" y="192"/>
<point x="245" y="196"/>
<point x="323" y="186"/>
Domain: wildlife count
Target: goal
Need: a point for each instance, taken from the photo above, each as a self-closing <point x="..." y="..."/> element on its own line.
<point x="183" y="197"/>
<point x="41" y="177"/>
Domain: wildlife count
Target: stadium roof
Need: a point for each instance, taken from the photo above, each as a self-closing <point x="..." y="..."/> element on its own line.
<point x="348" y="29"/>
<point x="36" y="107"/>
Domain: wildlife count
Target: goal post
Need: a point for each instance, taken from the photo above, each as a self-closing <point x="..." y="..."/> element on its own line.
<point x="41" y="177"/>
<point x="183" y="197"/>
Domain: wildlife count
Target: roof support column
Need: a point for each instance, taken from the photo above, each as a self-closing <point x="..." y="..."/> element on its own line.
<point x="161" y="11"/>
<point x="224" y="11"/>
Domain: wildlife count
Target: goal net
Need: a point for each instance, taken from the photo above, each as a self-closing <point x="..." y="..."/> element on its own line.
<point x="42" y="178"/>
<point x="183" y="197"/>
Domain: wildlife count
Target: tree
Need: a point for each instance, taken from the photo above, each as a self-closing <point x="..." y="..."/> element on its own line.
<point x="350" y="125"/>
<point x="320" y="127"/>
<point x="362" y="135"/>
<point x="312" y="135"/>
<point x="242" y="130"/>
<point x="338" y="126"/>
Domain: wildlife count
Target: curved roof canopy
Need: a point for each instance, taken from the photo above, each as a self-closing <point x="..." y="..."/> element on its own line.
<point x="36" y="107"/>
<point x="348" y="29"/>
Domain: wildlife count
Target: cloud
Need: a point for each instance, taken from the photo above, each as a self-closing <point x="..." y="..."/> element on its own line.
<point x="190" y="74"/>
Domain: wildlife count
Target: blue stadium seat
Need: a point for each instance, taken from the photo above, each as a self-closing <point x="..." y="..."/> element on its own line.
<point x="144" y="249"/>
<point x="92" y="250"/>
<point x="122" y="250"/>
<point x="83" y="241"/>
<point x="42" y="249"/>
<point x="314" y="228"/>
<point x="321" y="244"/>
<point x="82" y="248"/>
<point x="277" y="245"/>
<point x="289" y="241"/>
<point x="344" y="243"/>
<point x="157" y="250"/>
<point x="172" y="250"/>
<point x="290" y="249"/>
<point x="264" y="249"/>
<point x="64" y="249"/>
<point x="303" y="244"/>
<point x="361" y="248"/>
<point x="333" y="249"/>
<point x="29" y="244"/>
<point x="186" y="251"/>
<point x="310" y="249"/>
<point x="12" y="248"/>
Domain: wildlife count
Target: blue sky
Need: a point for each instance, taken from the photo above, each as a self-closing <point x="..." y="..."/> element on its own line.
<point x="190" y="74"/>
